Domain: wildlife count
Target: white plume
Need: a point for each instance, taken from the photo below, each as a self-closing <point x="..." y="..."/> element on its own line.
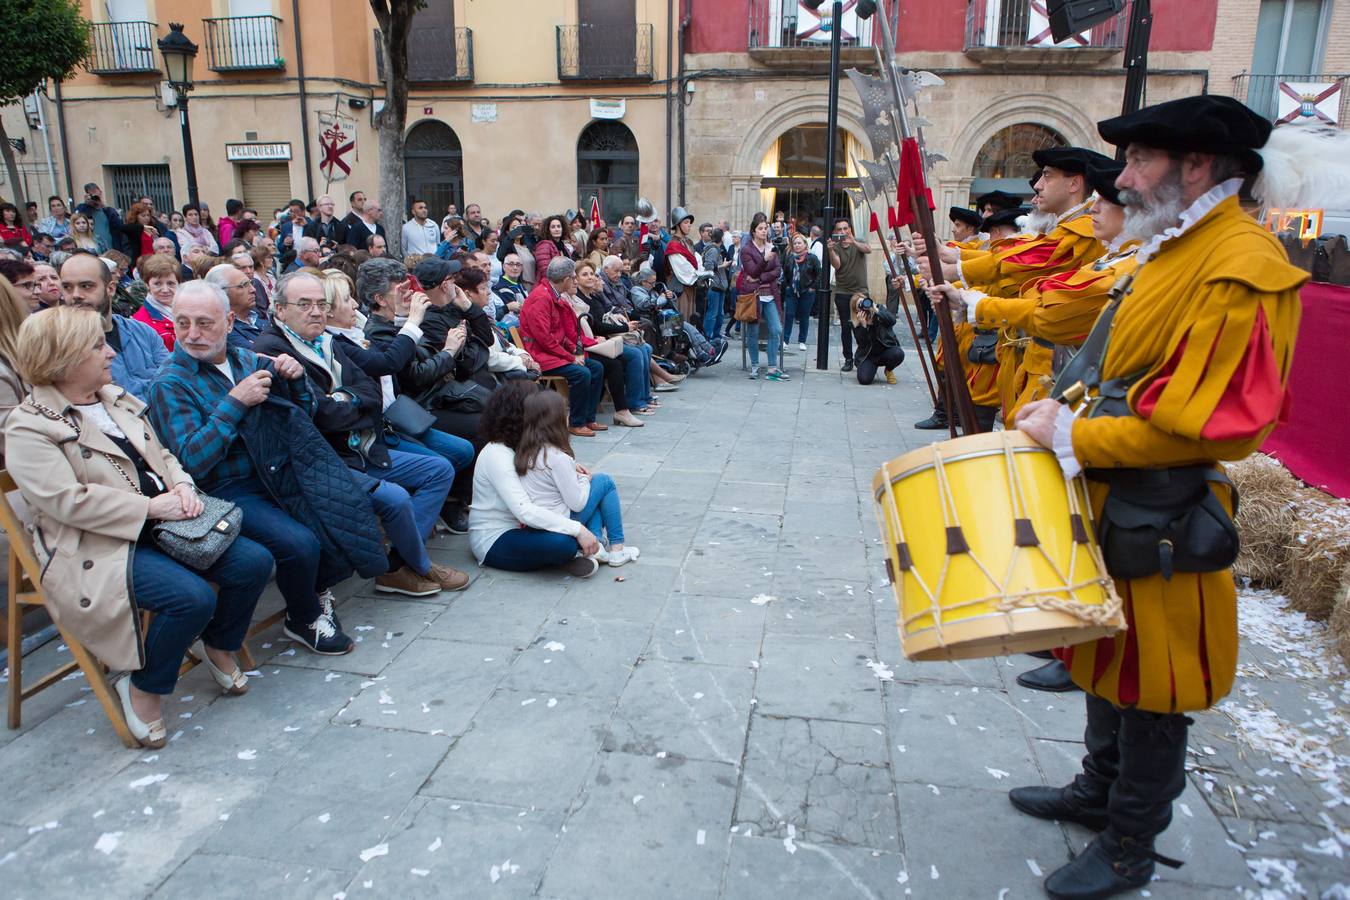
<point x="1305" y="167"/>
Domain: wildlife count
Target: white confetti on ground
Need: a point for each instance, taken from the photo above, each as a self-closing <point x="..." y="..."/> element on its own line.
<point x="420" y="873"/>
<point x="637" y="798"/>
<point x="999" y="774"/>
<point x="247" y="755"/>
<point x="552" y="702"/>
<point x="880" y="670"/>
<point x="147" y="781"/>
<point x="434" y="845"/>
<point x="902" y="877"/>
<point x="371" y="852"/>
<point x="933" y="873"/>
<point x="761" y="599"/>
<point x="1278" y="876"/>
<point x="951" y="718"/>
<point x="555" y="647"/>
<point x="1035" y="868"/>
<point x="385" y="699"/>
<point x="789" y="842"/>
<point x="529" y="701"/>
<point x="506" y="868"/>
<point x="107" y="842"/>
<point x="331" y="675"/>
<point x="324" y="817"/>
<point x="701" y="838"/>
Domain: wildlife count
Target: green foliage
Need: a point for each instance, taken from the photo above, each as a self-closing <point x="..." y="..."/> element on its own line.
<point x="39" y="39"/>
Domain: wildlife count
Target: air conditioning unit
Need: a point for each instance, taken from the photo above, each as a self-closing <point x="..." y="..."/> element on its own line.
<point x="167" y="94"/>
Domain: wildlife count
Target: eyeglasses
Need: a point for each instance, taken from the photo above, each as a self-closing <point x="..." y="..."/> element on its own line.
<point x="307" y="305"/>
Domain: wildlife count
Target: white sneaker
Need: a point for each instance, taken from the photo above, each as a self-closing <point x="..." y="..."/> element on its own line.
<point x="802" y="347"/>
<point x="623" y="557"/>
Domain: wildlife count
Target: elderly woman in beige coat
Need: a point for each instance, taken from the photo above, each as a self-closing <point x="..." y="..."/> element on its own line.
<point x="96" y="477"/>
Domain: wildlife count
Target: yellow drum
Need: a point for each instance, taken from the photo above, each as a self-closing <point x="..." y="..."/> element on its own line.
<point x="991" y="550"/>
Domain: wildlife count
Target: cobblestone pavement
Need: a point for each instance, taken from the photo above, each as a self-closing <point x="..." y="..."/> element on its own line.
<point x="729" y="717"/>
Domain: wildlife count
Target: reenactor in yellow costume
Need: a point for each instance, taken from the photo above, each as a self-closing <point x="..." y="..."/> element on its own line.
<point x="1189" y="367"/>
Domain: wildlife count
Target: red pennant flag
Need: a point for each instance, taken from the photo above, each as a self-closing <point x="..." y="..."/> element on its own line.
<point x="875" y="225"/>
<point x="911" y="182"/>
<point x="595" y="212"/>
<point x="890" y="217"/>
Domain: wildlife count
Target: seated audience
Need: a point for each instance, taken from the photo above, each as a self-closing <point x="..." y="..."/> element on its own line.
<point x="13" y="310"/>
<point x="138" y="351"/>
<point x="23" y="276"/>
<point x="48" y="290"/>
<point x="549" y="329"/>
<point x="554" y="480"/>
<point x="626" y="373"/>
<point x="407" y="489"/>
<point x="248" y="321"/>
<point x="505" y="359"/>
<point x="506" y="529"/>
<point x="160" y="274"/>
<point x="96" y="478"/>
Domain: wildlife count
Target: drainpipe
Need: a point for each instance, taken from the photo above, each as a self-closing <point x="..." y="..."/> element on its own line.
<point x="46" y="138"/>
<point x="670" y="71"/>
<point x="680" y="88"/>
<point x="65" y="144"/>
<point x="304" y="104"/>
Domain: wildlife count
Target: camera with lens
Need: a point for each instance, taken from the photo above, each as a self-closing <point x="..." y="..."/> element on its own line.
<point x="838" y="236"/>
<point x="865" y="303"/>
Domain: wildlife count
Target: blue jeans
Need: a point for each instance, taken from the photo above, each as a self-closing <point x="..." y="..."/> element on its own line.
<point x="768" y="317"/>
<point x="797" y="308"/>
<point x="637" y="374"/>
<point x="527" y="549"/>
<point x="456" y="450"/>
<point x="712" y="319"/>
<point x="292" y="545"/>
<point x="185" y="607"/>
<point x="408" y="497"/>
<point x="584" y="382"/>
<point x="602" y="509"/>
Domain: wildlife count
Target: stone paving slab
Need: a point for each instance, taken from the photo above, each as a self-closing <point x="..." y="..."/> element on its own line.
<point x="729" y="717"/>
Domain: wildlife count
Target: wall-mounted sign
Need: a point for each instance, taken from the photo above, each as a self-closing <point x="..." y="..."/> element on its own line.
<point x="257" y="152"/>
<point x="607" y="109"/>
<point x="428" y="111"/>
<point x="483" y="112"/>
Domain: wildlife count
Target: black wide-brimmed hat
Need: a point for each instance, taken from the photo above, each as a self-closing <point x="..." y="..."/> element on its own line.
<point x="1004" y="217"/>
<point x="962" y="214"/>
<point x="1204" y="124"/>
<point x="1073" y="160"/>
<point x="1102" y="179"/>
<point x="998" y="200"/>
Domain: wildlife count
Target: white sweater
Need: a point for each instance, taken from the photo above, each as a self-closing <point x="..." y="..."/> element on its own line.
<point x="556" y="485"/>
<point x="501" y="504"/>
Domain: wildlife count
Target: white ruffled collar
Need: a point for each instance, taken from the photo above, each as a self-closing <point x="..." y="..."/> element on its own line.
<point x="1194" y="213"/>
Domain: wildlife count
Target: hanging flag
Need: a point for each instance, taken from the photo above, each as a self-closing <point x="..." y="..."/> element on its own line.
<point x="815" y="25"/>
<point x="595" y="212"/>
<point x="1319" y="101"/>
<point x="911" y="183"/>
<point x="1038" y="29"/>
<point x="337" y="145"/>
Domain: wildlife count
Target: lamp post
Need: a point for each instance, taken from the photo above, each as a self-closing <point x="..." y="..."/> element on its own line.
<point x="865" y="9"/>
<point x="178" y="53"/>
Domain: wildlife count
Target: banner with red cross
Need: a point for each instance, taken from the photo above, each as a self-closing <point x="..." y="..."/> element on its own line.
<point x="337" y="145"/>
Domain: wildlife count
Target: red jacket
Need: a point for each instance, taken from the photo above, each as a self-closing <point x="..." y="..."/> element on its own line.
<point x="163" y="326"/>
<point x="548" y="327"/>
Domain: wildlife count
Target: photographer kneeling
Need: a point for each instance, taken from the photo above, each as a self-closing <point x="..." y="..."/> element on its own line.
<point x="878" y="347"/>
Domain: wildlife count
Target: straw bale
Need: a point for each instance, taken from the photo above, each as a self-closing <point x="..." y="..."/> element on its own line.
<point x="1317" y="553"/>
<point x="1267" y="494"/>
<point x="1340" y="618"/>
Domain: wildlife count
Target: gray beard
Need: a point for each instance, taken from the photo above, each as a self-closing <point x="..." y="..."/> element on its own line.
<point x="1146" y="217"/>
<point x="1042" y="222"/>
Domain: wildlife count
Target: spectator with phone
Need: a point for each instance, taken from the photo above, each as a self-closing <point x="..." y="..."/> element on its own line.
<point x="878" y="347"/>
<point x="849" y="258"/>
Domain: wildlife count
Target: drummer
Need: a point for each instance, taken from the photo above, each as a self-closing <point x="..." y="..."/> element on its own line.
<point x="1206" y="337"/>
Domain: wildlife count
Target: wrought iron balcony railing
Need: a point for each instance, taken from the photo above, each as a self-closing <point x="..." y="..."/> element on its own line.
<point x="122" y="47"/>
<point x="1290" y="98"/>
<point x="1024" y="25"/>
<point x="600" y="53"/>
<point x="775" y="25"/>
<point x="435" y="55"/>
<point x="244" y="43"/>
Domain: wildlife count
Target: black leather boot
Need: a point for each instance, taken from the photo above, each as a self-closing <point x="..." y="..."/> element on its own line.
<point x="1053" y="676"/>
<point x="1152" y="774"/>
<point x="936" y="422"/>
<point x="1083" y="800"/>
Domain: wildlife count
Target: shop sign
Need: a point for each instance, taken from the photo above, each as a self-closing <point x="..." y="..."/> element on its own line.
<point x="257" y="152"/>
<point x="607" y="109"/>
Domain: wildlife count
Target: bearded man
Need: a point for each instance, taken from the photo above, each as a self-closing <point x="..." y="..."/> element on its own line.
<point x="1194" y="371"/>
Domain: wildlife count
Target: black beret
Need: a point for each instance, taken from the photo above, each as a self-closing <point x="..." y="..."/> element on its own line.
<point x="998" y="200"/>
<point x="1204" y="124"/>
<point x="1102" y="179"/>
<point x="433" y="270"/>
<point x="962" y="214"/>
<point x="1073" y="160"/>
<point x="1004" y="217"/>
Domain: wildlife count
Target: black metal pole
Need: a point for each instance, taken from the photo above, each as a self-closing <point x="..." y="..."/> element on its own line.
<point x="1136" y="60"/>
<point x="825" y="300"/>
<point x="189" y="161"/>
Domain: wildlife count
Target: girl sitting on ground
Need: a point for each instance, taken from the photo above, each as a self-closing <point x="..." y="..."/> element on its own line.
<point x="555" y="481"/>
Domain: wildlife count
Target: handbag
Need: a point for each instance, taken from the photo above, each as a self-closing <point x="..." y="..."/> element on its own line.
<point x="609" y="348"/>
<point x="408" y="417"/>
<point x="197" y="542"/>
<point x="459" y="396"/>
<point x="747" y="308"/>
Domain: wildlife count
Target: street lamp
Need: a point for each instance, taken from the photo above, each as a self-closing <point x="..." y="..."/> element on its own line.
<point x="178" y="53"/>
<point x="864" y="9"/>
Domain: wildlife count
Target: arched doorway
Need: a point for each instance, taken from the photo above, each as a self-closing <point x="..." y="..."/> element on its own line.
<point x="607" y="169"/>
<point x="433" y="168"/>
<point x="794" y="173"/>
<point x="1004" y="162"/>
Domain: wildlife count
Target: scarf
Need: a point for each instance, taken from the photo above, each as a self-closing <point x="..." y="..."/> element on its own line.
<point x="198" y="233"/>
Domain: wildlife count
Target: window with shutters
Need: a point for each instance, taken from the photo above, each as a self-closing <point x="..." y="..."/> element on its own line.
<point x="266" y="186"/>
<point x="607" y="169"/>
<point x="128" y="183"/>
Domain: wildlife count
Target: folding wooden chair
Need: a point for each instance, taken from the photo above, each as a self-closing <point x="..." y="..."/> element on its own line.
<point x="24" y="594"/>
<point x="553" y="382"/>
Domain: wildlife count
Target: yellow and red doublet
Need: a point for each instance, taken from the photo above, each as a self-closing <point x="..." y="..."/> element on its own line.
<point x="1211" y="320"/>
<point x="1007" y="265"/>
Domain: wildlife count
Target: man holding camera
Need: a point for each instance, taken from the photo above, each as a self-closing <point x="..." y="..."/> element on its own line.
<point x="878" y="347"/>
<point x="849" y="258"/>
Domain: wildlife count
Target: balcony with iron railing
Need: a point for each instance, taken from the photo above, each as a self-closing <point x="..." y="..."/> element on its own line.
<point x="122" y="48"/>
<point x="435" y="55"/>
<point x="1324" y="99"/>
<point x="597" y="52"/>
<point x="244" y="43"/>
<point x="786" y="34"/>
<point x="1017" y="33"/>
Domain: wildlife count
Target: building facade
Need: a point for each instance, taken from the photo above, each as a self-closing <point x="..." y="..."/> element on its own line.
<point x="541" y="103"/>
